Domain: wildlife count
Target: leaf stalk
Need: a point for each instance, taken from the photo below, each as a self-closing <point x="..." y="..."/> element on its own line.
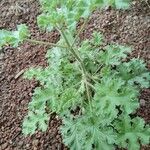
<point x="45" y="43"/>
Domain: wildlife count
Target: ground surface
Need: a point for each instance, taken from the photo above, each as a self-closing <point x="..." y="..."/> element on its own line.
<point x="130" y="27"/>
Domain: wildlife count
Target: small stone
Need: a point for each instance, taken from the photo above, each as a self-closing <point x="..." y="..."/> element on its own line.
<point x="20" y="143"/>
<point x="4" y="146"/>
<point x="35" y="148"/>
<point x="35" y="142"/>
<point x="142" y="102"/>
<point x="27" y="145"/>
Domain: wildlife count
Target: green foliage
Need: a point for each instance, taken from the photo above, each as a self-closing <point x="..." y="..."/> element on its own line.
<point x="119" y="4"/>
<point x="113" y="54"/>
<point x="67" y="13"/>
<point x="114" y="96"/>
<point x="34" y="119"/>
<point x="135" y="72"/>
<point x="112" y="92"/>
<point x="131" y="131"/>
<point x="13" y="38"/>
<point x="97" y="39"/>
<point x="87" y="132"/>
<point x="92" y="88"/>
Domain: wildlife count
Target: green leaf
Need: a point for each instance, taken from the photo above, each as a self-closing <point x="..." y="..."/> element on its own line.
<point x="71" y="132"/>
<point x="114" y="54"/>
<point x="112" y="92"/>
<point x="122" y="4"/>
<point x="131" y="131"/>
<point x="54" y="57"/>
<point x="40" y="97"/>
<point x="4" y="37"/>
<point x="70" y="98"/>
<point x="44" y="22"/>
<point x="85" y="132"/>
<point x="34" y="120"/>
<point x="97" y="39"/>
<point x="135" y="72"/>
<point x="118" y="4"/>
<point x="13" y="38"/>
<point x="23" y="32"/>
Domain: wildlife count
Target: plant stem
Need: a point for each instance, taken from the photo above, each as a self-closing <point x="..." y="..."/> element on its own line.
<point x="85" y="74"/>
<point x="45" y="43"/>
<point x="88" y="93"/>
<point x="73" y="52"/>
<point x="81" y="29"/>
<point x="99" y="68"/>
<point x="90" y="85"/>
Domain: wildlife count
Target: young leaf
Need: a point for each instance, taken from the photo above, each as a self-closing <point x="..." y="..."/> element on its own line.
<point x="13" y="38"/>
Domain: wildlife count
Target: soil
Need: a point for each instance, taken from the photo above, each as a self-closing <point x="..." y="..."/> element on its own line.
<point x="131" y="27"/>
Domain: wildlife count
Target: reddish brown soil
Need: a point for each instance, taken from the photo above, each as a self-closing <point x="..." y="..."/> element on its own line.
<point x="125" y="27"/>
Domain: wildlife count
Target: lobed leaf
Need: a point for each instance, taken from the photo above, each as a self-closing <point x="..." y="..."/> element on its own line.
<point x="112" y="92"/>
<point x="33" y="120"/>
<point x="135" y="72"/>
<point x="13" y="38"/>
<point x="113" y="54"/>
<point x="131" y="131"/>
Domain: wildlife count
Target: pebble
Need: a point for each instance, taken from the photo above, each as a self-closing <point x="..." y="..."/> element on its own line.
<point x="4" y="146"/>
<point x="35" y="142"/>
<point x="142" y="102"/>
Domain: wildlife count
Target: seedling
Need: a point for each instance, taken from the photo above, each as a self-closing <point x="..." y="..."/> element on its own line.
<point x="94" y="91"/>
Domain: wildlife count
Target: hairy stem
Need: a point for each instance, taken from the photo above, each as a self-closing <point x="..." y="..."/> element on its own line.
<point x="45" y="43"/>
<point x="74" y="52"/>
<point x="85" y="74"/>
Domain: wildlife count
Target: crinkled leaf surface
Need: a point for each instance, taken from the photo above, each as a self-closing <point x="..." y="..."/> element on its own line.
<point x="33" y="120"/>
<point x="112" y="92"/>
<point x="13" y="38"/>
<point x="85" y="132"/>
<point x="131" y="131"/>
<point x="135" y="72"/>
<point x="114" y="54"/>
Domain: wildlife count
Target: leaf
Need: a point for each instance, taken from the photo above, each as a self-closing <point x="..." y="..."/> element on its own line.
<point x="70" y="98"/>
<point x="85" y="132"/>
<point x="118" y="4"/>
<point x="97" y="39"/>
<point x="43" y="21"/>
<point x="13" y="38"/>
<point x="122" y="4"/>
<point x="54" y="56"/>
<point x="34" y="120"/>
<point x="113" y="54"/>
<point x="71" y="132"/>
<point x="135" y="72"/>
<point x="131" y="131"/>
<point x="112" y="92"/>
<point x="40" y="97"/>
<point x="23" y="32"/>
<point x="4" y="37"/>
